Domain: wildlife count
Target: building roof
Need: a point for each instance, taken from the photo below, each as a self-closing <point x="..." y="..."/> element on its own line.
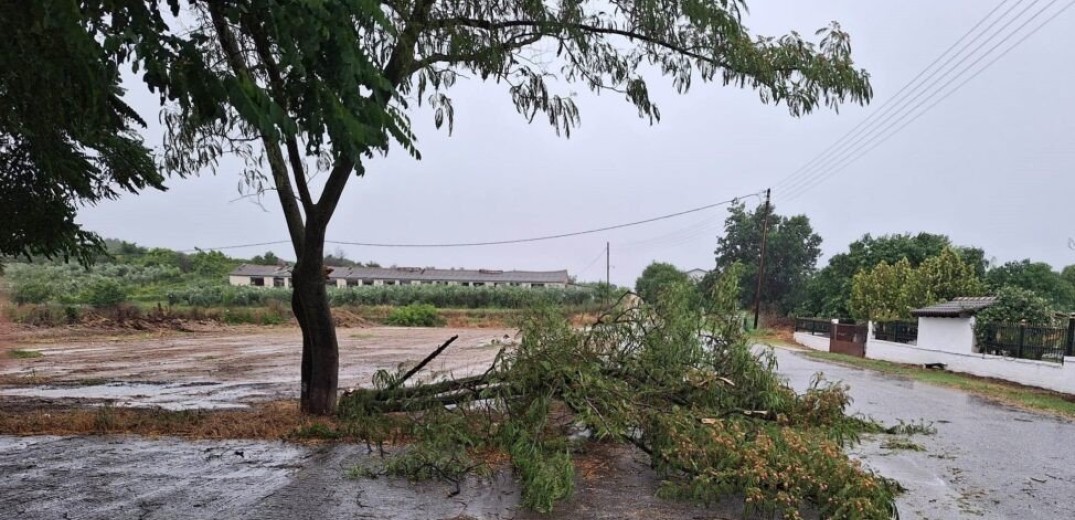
<point x="962" y="307"/>
<point x="262" y="270"/>
<point x="417" y="273"/>
<point x="450" y="275"/>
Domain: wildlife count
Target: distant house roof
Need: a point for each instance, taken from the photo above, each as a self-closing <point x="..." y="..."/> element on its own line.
<point x="962" y="307"/>
<point x="697" y="274"/>
<point x="451" y="275"/>
<point x="417" y="273"/>
<point x="262" y="270"/>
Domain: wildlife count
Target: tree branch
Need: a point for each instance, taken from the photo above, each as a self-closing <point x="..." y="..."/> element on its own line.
<point x="550" y="28"/>
<point x="276" y="84"/>
<point x="292" y="214"/>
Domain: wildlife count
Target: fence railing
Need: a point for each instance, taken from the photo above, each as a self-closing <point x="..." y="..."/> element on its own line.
<point x="815" y="326"/>
<point x="896" y="331"/>
<point x="1021" y="341"/>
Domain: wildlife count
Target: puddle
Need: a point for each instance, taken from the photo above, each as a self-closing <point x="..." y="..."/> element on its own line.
<point x="187" y="395"/>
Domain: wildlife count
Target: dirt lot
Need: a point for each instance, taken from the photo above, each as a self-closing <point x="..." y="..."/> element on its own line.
<point x="217" y="369"/>
<point x="120" y="477"/>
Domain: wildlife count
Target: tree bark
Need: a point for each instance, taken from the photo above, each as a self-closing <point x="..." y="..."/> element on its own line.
<point x="309" y="301"/>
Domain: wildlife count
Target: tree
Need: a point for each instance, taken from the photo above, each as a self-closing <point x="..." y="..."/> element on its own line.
<point x="948" y="276"/>
<point x="1015" y="304"/>
<point x="889" y="292"/>
<point x="829" y="292"/>
<point x="269" y="258"/>
<point x="67" y="139"/>
<point x="297" y="86"/>
<point x="1037" y="277"/>
<point x="886" y="292"/>
<point x="658" y="277"/>
<point x="791" y="255"/>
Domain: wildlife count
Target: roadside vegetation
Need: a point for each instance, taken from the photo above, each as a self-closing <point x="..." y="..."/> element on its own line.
<point x="140" y="287"/>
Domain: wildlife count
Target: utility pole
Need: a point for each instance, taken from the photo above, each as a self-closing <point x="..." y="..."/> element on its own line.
<point x="608" y="275"/>
<point x="761" y="260"/>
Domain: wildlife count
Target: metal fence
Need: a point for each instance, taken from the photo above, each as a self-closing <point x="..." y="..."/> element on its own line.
<point x="896" y="331"/>
<point x="815" y="326"/>
<point x="1025" y="341"/>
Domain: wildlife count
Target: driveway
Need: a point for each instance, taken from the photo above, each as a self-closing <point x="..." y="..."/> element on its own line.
<point x="987" y="460"/>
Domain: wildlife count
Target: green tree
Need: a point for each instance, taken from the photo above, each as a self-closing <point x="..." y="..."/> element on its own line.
<point x="886" y="292"/>
<point x="211" y="263"/>
<point x="791" y="255"/>
<point x="67" y="139"/>
<point x="269" y="258"/>
<point x="1038" y="277"/>
<point x="302" y="85"/>
<point x="948" y="276"/>
<point x="1015" y="304"/>
<point x="829" y="292"/>
<point x="658" y="277"/>
<point x="889" y="292"/>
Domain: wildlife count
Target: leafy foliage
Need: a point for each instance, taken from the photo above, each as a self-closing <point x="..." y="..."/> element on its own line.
<point x="792" y="251"/>
<point x="890" y="292"/>
<point x="415" y="315"/>
<point x="105" y="293"/>
<point x="1038" y="277"/>
<point x="658" y="277"/>
<point x="66" y="136"/>
<point x="829" y="293"/>
<point x="1015" y="305"/>
<point x="685" y="388"/>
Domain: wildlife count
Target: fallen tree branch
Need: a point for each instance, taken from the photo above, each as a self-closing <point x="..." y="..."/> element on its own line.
<point x="422" y="365"/>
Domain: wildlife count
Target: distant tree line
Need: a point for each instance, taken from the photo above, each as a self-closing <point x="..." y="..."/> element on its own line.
<point x="882" y="277"/>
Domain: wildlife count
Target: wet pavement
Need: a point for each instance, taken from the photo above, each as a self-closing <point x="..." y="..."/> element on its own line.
<point x="986" y="461"/>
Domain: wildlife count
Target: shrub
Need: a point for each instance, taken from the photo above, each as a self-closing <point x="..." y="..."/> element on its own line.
<point x="415" y="315"/>
<point x="105" y="293"/>
<point x="31" y="291"/>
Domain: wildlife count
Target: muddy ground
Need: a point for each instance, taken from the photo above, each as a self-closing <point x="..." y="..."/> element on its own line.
<point x="985" y="461"/>
<point x="221" y="368"/>
<point x="121" y="477"/>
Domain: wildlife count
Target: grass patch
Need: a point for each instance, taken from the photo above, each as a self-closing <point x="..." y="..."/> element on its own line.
<point x="24" y="354"/>
<point x="902" y="444"/>
<point x="1026" y="397"/>
<point x="280" y="420"/>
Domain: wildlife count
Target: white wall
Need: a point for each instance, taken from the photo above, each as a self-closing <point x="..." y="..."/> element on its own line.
<point x="239" y="280"/>
<point x="946" y="334"/>
<point x="811" y="341"/>
<point x="1052" y="376"/>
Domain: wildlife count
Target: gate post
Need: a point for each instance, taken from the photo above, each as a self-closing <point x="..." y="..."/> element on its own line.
<point x="1070" y="343"/>
<point x="1022" y="337"/>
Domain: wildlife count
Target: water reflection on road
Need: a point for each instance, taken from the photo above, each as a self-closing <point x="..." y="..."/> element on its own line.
<point x="987" y="460"/>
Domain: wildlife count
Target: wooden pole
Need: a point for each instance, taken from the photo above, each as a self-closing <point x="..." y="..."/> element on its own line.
<point x="761" y="260"/>
<point x="608" y="275"/>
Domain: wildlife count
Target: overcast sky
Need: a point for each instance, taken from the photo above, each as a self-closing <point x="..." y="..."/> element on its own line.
<point x="989" y="166"/>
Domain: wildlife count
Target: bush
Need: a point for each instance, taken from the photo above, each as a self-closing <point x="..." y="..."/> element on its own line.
<point x="1014" y="305"/>
<point x="415" y="315"/>
<point x="31" y="291"/>
<point x="105" y="293"/>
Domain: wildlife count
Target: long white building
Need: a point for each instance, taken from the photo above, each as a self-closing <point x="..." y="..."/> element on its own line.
<point x="280" y="276"/>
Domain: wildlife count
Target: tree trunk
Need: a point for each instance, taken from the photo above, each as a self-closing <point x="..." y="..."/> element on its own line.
<point x="320" y="351"/>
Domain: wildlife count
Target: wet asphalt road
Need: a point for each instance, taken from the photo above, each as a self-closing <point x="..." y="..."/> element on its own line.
<point x="986" y="461"/>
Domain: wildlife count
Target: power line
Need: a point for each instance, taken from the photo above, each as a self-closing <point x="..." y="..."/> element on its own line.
<point x="550" y="237"/>
<point x="888" y="104"/>
<point x="880" y="138"/>
<point x="476" y="244"/>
